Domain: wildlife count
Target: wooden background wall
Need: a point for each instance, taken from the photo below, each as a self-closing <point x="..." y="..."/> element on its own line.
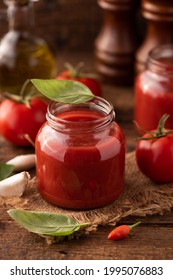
<point x="64" y="24"/>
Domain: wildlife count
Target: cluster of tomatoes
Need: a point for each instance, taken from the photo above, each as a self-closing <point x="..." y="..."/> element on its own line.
<point x="154" y="150"/>
<point x="21" y="117"/>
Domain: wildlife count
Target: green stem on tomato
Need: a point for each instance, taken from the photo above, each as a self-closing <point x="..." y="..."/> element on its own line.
<point x="160" y="130"/>
<point x="14" y="97"/>
<point x="23" y="88"/>
<point x="23" y="97"/>
<point x="74" y="71"/>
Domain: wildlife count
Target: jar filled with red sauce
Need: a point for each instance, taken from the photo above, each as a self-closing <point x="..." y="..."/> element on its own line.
<point x="154" y="89"/>
<point x="80" y="153"/>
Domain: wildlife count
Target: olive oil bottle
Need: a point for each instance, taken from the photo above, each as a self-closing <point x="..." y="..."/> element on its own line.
<point x="22" y="54"/>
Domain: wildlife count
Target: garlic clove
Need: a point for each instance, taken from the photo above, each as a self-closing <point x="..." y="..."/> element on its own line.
<point x="15" y="185"/>
<point x="23" y="162"/>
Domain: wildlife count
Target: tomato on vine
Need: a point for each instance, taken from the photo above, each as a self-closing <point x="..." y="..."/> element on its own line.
<point x="76" y="74"/>
<point x="154" y="153"/>
<point x="20" y="116"/>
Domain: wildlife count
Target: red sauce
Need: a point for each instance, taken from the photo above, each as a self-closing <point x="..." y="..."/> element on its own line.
<point x="154" y="94"/>
<point x="80" y="170"/>
<point x="151" y="103"/>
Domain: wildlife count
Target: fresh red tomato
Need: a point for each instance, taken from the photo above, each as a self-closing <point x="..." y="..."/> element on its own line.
<point x="18" y="119"/>
<point x="154" y="154"/>
<point x="75" y="74"/>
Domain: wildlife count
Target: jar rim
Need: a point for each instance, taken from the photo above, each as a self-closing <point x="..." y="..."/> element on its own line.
<point x="97" y="104"/>
<point x="158" y="58"/>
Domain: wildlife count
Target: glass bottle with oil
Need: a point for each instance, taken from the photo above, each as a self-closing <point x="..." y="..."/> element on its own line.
<point x="22" y="54"/>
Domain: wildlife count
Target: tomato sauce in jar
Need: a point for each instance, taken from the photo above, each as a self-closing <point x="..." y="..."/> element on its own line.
<point x="154" y="89"/>
<point x="80" y="153"/>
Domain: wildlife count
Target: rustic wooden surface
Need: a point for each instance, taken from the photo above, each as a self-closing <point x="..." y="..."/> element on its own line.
<point x="153" y="239"/>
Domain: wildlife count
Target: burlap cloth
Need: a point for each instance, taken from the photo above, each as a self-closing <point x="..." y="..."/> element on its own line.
<point x="141" y="197"/>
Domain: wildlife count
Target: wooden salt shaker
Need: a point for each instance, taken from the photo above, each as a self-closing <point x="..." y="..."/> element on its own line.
<point x="116" y="43"/>
<point x="159" y="28"/>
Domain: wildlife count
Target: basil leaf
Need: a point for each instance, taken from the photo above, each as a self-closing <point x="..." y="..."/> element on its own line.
<point x="64" y="91"/>
<point x="5" y="170"/>
<point x="45" y="223"/>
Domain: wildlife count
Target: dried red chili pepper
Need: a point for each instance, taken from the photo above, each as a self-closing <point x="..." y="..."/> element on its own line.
<point x="121" y="231"/>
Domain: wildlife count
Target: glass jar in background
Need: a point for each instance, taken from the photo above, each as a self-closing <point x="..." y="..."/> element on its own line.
<point x="22" y="54"/>
<point x="80" y="153"/>
<point x="154" y="89"/>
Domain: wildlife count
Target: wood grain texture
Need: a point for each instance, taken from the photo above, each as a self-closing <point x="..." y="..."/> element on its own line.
<point x="152" y="240"/>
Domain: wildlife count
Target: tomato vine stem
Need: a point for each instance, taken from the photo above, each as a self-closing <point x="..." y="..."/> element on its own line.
<point x="160" y="131"/>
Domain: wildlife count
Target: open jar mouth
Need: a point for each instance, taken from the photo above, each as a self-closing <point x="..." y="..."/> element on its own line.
<point x="160" y="59"/>
<point x="97" y="105"/>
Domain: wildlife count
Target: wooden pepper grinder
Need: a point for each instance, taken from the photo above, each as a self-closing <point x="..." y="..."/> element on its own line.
<point x="117" y="42"/>
<point x="159" y="28"/>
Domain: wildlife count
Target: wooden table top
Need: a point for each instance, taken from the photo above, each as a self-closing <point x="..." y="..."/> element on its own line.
<point x="152" y="240"/>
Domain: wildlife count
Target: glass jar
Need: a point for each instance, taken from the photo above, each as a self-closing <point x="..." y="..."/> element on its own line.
<point x="23" y="55"/>
<point x="80" y="153"/>
<point x="154" y="89"/>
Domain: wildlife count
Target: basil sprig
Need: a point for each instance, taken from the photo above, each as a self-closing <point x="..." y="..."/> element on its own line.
<point x="64" y="91"/>
<point x="45" y="223"/>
